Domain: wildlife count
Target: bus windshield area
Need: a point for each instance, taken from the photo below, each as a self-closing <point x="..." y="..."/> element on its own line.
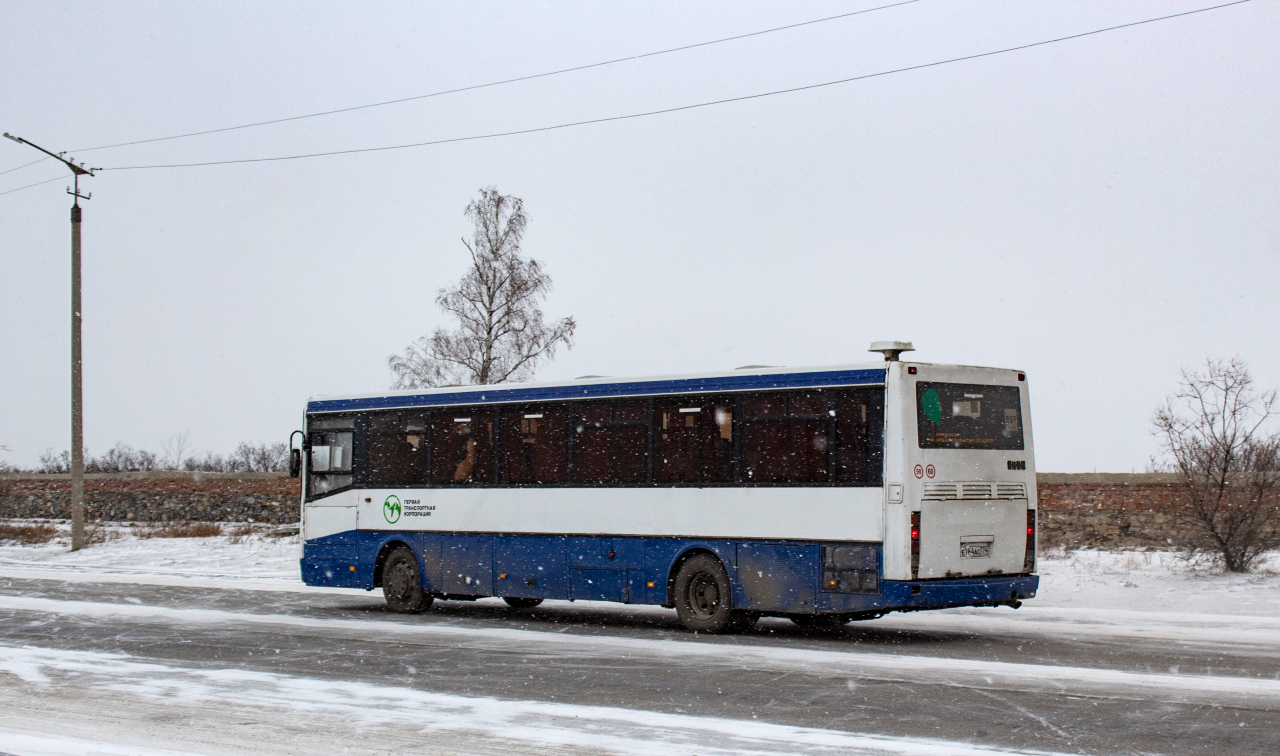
<point x="968" y="416"/>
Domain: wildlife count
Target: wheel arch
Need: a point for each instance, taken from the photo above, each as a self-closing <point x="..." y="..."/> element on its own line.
<point x="686" y="555"/>
<point x="380" y="561"/>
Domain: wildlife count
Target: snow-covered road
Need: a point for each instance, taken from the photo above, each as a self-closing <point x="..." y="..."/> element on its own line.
<point x="211" y="647"/>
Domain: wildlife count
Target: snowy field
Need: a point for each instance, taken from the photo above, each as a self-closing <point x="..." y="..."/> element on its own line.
<point x="1153" y="598"/>
<point x="1105" y="581"/>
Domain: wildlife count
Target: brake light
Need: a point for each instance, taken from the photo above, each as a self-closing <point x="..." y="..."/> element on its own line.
<point x="1029" y="562"/>
<point x="915" y="545"/>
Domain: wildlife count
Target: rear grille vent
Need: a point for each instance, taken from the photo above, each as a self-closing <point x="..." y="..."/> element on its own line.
<point x="973" y="490"/>
<point x="940" y="491"/>
<point x="1011" y="491"/>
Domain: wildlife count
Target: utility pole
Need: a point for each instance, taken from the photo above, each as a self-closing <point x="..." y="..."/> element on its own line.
<point x="77" y="392"/>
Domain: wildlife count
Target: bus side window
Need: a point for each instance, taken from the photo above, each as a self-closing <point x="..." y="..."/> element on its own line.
<point x="609" y="443"/>
<point x="785" y="438"/>
<point x="534" y="445"/>
<point x="859" y="427"/>
<point x="462" y="446"/>
<point x="693" y="440"/>
<point x="397" y="449"/>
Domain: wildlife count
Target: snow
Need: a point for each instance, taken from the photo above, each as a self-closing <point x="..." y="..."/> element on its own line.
<point x="535" y="725"/>
<point x="1087" y="580"/>
<point x="253" y="558"/>
<point x="1130" y="595"/>
<point x="893" y="667"/>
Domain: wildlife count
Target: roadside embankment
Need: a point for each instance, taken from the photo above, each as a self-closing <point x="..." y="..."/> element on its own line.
<point x="161" y="496"/>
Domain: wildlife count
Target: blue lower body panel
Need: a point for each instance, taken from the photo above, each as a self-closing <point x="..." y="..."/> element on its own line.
<point x="768" y="577"/>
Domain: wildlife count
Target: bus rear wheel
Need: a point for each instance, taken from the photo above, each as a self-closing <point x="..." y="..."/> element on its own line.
<point x="518" y="602"/>
<point x="402" y="583"/>
<point x="704" y="597"/>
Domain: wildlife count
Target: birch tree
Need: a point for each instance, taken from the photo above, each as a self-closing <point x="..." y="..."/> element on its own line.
<point x="501" y="334"/>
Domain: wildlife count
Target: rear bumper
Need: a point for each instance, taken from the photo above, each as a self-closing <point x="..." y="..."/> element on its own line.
<point x="940" y="594"/>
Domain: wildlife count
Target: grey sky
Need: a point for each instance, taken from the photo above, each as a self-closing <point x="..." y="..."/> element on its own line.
<point x="1099" y="212"/>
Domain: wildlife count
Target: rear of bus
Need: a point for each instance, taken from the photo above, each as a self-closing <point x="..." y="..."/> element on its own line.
<point x="960" y="486"/>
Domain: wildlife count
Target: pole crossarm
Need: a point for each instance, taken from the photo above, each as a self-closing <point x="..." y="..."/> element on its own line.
<point x="78" y="170"/>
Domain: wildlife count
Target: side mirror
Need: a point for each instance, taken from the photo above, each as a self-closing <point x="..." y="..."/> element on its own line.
<point x="295" y="463"/>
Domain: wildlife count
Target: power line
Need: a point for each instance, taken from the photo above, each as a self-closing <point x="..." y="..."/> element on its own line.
<point x="24" y="165"/>
<point x="28" y="186"/>
<point x="495" y="83"/>
<point x="679" y="108"/>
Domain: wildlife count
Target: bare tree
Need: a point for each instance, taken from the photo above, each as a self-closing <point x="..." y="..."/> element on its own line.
<point x="501" y="335"/>
<point x="1212" y="436"/>
<point x="176" y="451"/>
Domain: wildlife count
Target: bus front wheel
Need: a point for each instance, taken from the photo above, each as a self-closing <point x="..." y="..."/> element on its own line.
<point x="402" y="584"/>
<point x="703" y="596"/>
<point x="518" y="602"/>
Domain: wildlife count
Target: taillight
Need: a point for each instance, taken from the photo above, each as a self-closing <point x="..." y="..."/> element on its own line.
<point x="1029" y="561"/>
<point x="915" y="545"/>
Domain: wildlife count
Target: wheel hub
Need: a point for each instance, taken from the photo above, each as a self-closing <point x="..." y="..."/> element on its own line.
<point x="704" y="595"/>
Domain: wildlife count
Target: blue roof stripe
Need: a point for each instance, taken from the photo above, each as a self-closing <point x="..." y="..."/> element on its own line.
<point x="497" y="394"/>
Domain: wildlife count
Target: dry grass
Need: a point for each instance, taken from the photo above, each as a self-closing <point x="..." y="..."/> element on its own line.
<point x="94" y="534"/>
<point x="238" y="533"/>
<point x="181" y="530"/>
<point x="27" y="533"/>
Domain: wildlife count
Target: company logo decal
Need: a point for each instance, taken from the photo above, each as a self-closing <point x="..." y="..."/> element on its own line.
<point x="391" y="508"/>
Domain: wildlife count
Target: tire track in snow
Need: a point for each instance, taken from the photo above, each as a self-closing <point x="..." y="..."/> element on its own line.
<point x="532" y="726"/>
<point x="1247" y="692"/>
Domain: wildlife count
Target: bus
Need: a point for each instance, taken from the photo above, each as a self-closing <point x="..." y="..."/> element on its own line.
<point x="822" y="494"/>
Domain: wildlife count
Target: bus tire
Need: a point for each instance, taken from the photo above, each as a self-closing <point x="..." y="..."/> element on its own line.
<point x="402" y="583"/>
<point x="518" y="602"/>
<point x="704" y="596"/>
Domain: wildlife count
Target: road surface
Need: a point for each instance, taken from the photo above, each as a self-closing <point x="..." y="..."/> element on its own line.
<point x="191" y="667"/>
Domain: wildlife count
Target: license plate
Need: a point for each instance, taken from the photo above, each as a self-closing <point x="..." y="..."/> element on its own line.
<point x="975" y="550"/>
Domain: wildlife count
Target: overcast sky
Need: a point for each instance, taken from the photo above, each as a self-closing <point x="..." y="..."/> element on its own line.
<point x="1099" y="212"/>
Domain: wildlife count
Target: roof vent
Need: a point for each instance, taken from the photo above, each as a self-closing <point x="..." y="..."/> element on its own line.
<point x="755" y="367"/>
<point x="585" y="377"/>
<point x="891" y="349"/>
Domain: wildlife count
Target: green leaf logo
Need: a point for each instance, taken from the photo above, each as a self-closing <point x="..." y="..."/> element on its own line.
<point x="931" y="403"/>
<point x="391" y="509"/>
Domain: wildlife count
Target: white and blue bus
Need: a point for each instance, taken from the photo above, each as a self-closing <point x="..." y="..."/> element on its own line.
<point x="821" y="494"/>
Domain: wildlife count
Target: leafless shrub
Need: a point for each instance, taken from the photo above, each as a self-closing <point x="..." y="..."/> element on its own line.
<point x="501" y="334"/>
<point x="53" y="464"/>
<point x="1212" y="435"/>
<point x="249" y="456"/>
<point x="121" y="458"/>
<point x="27" y="533"/>
<point x="181" y="530"/>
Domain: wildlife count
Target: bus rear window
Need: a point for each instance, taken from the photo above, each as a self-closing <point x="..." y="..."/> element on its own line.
<point x="968" y="416"/>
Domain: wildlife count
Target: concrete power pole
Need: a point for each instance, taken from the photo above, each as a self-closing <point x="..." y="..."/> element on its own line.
<point x="77" y="386"/>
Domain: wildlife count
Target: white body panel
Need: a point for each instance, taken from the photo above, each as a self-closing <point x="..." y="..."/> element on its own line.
<point x="328" y="516"/>
<point x="814" y="513"/>
<point x="991" y="513"/>
<point x="998" y="527"/>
